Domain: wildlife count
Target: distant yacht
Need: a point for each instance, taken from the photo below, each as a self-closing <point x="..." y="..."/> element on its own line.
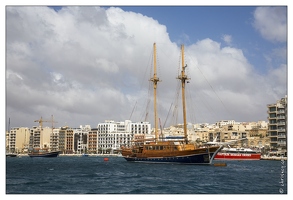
<point x="11" y="154"/>
<point x="229" y="153"/>
<point x="43" y="153"/>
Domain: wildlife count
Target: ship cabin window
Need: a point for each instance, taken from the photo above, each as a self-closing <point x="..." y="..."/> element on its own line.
<point x="154" y="147"/>
<point x="140" y="149"/>
<point x="149" y="147"/>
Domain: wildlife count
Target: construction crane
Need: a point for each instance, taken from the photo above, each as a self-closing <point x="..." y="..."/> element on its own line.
<point x="40" y="121"/>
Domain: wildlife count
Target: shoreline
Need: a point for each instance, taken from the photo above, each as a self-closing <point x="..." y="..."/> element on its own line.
<point x="119" y="155"/>
<point x="273" y="158"/>
<point x="80" y="155"/>
<point x="92" y="155"/>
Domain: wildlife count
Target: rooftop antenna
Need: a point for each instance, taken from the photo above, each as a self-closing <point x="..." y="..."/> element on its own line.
<point x="9" y="125"/>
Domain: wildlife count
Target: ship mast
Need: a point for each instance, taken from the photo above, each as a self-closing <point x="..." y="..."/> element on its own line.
<point x="183" y="78"/>
<point x="155" y="80"/>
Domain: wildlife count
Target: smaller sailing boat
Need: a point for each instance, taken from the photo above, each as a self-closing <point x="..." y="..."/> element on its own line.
<point x="229" y="153"/>
<point x="160" y="151"/>
<point x="11" y="154"/>
<point x="43" y="153"/>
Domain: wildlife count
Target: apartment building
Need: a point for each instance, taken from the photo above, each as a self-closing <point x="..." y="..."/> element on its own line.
<point x="277" y="127"/>
<point x="112" y="135"/>
<point x="17" y="140"/>
<point x="225" y="122"/>
<point x="69" y="141"/>
<point x="39" y="137"/>
<point x="92" y="141"/>
<point x="24" y="139"/>
<point x="64" y="140"/>
<point x="54" y="140"/>
<point x="80" y="140"/>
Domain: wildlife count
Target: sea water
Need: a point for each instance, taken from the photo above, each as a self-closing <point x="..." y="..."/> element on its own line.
<point x="94" y="175"/>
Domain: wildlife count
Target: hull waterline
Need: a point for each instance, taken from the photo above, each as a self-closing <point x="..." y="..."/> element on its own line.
<point x="45" y="155"/>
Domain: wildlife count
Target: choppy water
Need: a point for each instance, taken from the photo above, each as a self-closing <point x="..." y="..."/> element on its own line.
<point x="93" y="175"/>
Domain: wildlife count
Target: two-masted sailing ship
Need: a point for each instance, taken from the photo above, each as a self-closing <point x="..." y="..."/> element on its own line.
<point x="168" y="151"/>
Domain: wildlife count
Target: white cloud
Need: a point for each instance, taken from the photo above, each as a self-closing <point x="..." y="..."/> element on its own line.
<point x="87" y="64"/>
<point x="227" y="39"/>
<point x="271" y="22"/>
<point x="10" y="76"/>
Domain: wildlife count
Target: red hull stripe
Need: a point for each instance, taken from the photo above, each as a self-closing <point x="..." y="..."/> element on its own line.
<point x="236" y="156"/>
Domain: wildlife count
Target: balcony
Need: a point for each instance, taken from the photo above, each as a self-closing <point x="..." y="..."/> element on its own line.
<point x="272" y="123"/>
<point x="272" y="117"/>
<point x="281" y="130"/>
<point x="273" y="135"/>
<point x="282" y="136"/>
<point x="282" y="143"/>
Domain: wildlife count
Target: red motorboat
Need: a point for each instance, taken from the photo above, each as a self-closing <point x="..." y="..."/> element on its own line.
<point x="238" y="154"/>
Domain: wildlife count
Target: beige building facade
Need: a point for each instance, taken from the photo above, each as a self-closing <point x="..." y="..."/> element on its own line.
<point x="17" y="140"/>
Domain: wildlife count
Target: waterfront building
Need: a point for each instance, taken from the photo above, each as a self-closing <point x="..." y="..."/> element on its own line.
<point x="24" y="139"/>
<point x="112" y="135"/>
<point x="69" y="141"/>
<point x="54" y="140"/>
<point x="39" y="137"/>
<point x="277" y="127"/>
<point x="65" y="140"/>
<point x="92" y="141"/>
<point x="62" y="139"/>
<point x="17" y="140"/>
<point x="80" y="140"/>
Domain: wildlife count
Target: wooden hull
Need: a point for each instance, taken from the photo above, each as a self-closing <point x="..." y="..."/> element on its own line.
<point x="195" y="156"/>
<point x="11" y="155"/>
<point x="46" y="154"/>
<point x="190" y="159"/>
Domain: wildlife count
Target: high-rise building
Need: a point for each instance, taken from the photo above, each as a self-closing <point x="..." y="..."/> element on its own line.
<point x="277" y="127"/>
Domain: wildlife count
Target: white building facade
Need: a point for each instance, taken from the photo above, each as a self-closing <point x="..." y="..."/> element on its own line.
<point x="80" y="139"/>
<point x="112" y="135"/>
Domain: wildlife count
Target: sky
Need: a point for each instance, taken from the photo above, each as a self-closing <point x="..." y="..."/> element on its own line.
<point x="88" y="64"/>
